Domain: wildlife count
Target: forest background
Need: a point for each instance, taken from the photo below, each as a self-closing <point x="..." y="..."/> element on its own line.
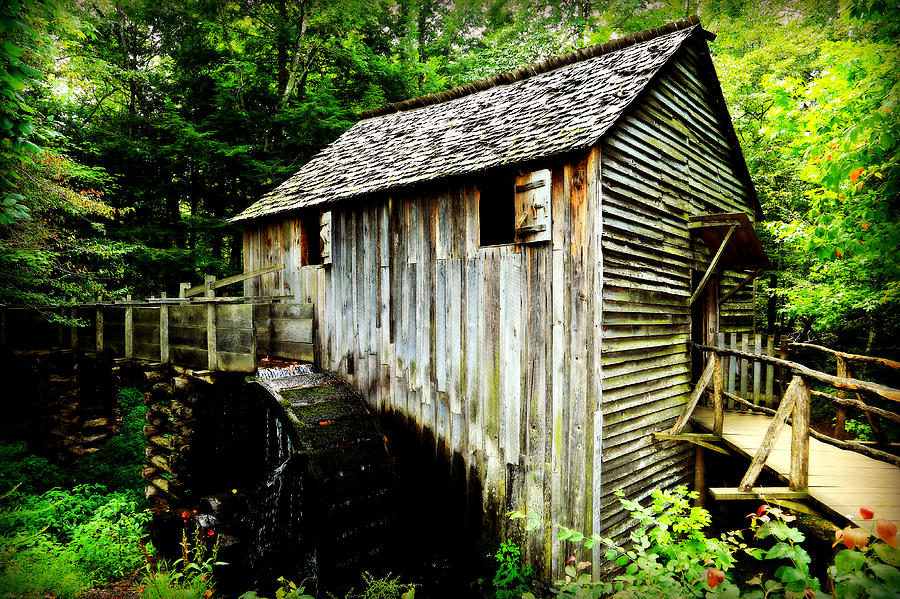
<point x="131" y="130"/>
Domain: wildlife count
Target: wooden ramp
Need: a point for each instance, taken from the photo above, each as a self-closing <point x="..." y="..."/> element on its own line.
<point x="840" y="480"/>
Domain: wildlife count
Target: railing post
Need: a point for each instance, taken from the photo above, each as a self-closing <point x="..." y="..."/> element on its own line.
<point x="129" y="328"/>
<point x="840" y="421"/>
<point x="73" y="329"/>
<point x="718" y="404"/>
<point x="211" y="337"/>
<point x="98" y="324"/>
<point x="163" y="330"/>
<point x="800" y="439"/>
<point x="182" y="289"/>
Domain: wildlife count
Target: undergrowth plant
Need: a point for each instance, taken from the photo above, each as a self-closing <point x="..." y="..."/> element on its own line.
<point x="191" y="575"/>
<point x="63" y="542"/>
<point x="670" y="556"/>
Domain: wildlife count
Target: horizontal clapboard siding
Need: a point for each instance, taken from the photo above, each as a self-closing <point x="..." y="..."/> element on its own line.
<point x="666" y="160"/>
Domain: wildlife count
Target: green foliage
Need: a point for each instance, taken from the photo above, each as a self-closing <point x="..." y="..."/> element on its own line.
<point x="118" y="463"/>
<point x="190" y="576"/>
<point x="64" y="541"/>
<point x="669" y="555"/>
<point x="867" y="569"/>
<point x="32" y="473"/>
<point x="860" y="430"/>
<point x="287" y="590"/>
<point x="511" y="578"/>
<point x="387" y="587"/>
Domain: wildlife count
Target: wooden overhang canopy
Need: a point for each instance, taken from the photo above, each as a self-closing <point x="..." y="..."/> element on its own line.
<point x="732" y="237"/>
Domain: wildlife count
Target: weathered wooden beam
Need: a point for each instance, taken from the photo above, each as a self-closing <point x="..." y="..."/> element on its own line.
<point x="840" y="421"/>
<point x="718" y="403"/>
<point x="712" y="265"/>
<point x="740" y="285"/>
<point x="695" y="397"/>
<point x="198" y="289"/>
<point x="857" y="403"/>
<point x="764" y="493"/>
<point x="163" y="331"/>
<point x="845" y="355"/>
<point x="129" y="328"/>
<point x="837" y="382"/>
<point x="698" y="439"/>
<point x="98" y="328"/>
<point x="799" y="476"/>
<point x="765" y="448"/>
<point x="211" y="328"/>
<point x="700" y="476"/>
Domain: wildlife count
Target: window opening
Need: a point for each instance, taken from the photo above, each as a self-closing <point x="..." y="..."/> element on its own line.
<point x="497" y="210"/>
<point x="310" y="239"/>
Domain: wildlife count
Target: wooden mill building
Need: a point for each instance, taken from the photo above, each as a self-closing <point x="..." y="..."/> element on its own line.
<point x="509" y="267"/>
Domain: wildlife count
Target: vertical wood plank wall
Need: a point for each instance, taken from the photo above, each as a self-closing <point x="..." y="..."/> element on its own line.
<point x="491" y="352"/>
<point x="666" y="160"/>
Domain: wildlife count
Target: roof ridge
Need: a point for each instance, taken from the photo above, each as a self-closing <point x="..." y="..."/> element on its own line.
<point x="548" y="64"/>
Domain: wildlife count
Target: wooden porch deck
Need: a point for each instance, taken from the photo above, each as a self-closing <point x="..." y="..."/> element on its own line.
<point x="840" y="480"/>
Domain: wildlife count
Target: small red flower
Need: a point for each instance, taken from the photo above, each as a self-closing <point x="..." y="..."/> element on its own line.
<point x="887" y="530"/>
<point x="571" y="560"/>
<point x="867" y="513"/>
<point x="762" y="510"/>
<point x="714" y="577"/>
<point x="195" y="511"/>
<point x="185" y="514"/>
<point x="855" y="173"/>
<point x="210" y="532"/>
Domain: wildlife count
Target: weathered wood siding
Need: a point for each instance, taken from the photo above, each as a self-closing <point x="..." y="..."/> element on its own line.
<point x="545" y="366"/>
<point x="488" y="351"/>
<point x="667" y="159"/>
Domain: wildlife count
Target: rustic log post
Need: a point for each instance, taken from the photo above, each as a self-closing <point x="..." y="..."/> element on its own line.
<point x="211" y="339"/>
<point x="840" y="423"/>
<point x="98" y="323"/>
<point x="129" y="328"/>
<point x="73" y="329"/>
<point x="799" y="478"/>
<point x="700" y="476"/>
<point x="182" y="289"/>
<point x="778" y="422"/>
<point x="163" y="330"/>
<point x="718" y="403"/>
<point x="871" y="418"/>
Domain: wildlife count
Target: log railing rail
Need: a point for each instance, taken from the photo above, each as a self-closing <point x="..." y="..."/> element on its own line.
<point x="207" y="333"/>
<point x="793" y="407"/>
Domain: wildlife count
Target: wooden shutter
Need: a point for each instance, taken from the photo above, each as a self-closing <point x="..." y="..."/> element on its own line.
<point x="325" y="236"/>
<point x="533" y="224"/>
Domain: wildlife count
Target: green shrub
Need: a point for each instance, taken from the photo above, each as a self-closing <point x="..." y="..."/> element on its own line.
<point x="32" y="473"/>
<point x="511" y="578"/>
<point x="36" y="565"/>
<point x="109" y="543"/>
<point x="61" y="542"/>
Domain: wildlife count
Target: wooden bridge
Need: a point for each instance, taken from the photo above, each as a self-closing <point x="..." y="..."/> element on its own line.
<point x="824" y="472"/>
<point x="196" y="330"/>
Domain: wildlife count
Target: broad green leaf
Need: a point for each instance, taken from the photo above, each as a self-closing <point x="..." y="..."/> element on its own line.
<point x="848" y="560"/>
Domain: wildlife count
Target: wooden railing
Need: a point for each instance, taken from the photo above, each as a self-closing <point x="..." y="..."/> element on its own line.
<point x="793" y="406"/>
<point x="208" y="332"/>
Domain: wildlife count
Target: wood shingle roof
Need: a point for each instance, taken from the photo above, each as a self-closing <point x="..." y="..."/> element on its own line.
<point x="536" y="115"/>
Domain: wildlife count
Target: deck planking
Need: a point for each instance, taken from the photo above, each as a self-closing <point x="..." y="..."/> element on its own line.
<point x="840" y="480"/>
